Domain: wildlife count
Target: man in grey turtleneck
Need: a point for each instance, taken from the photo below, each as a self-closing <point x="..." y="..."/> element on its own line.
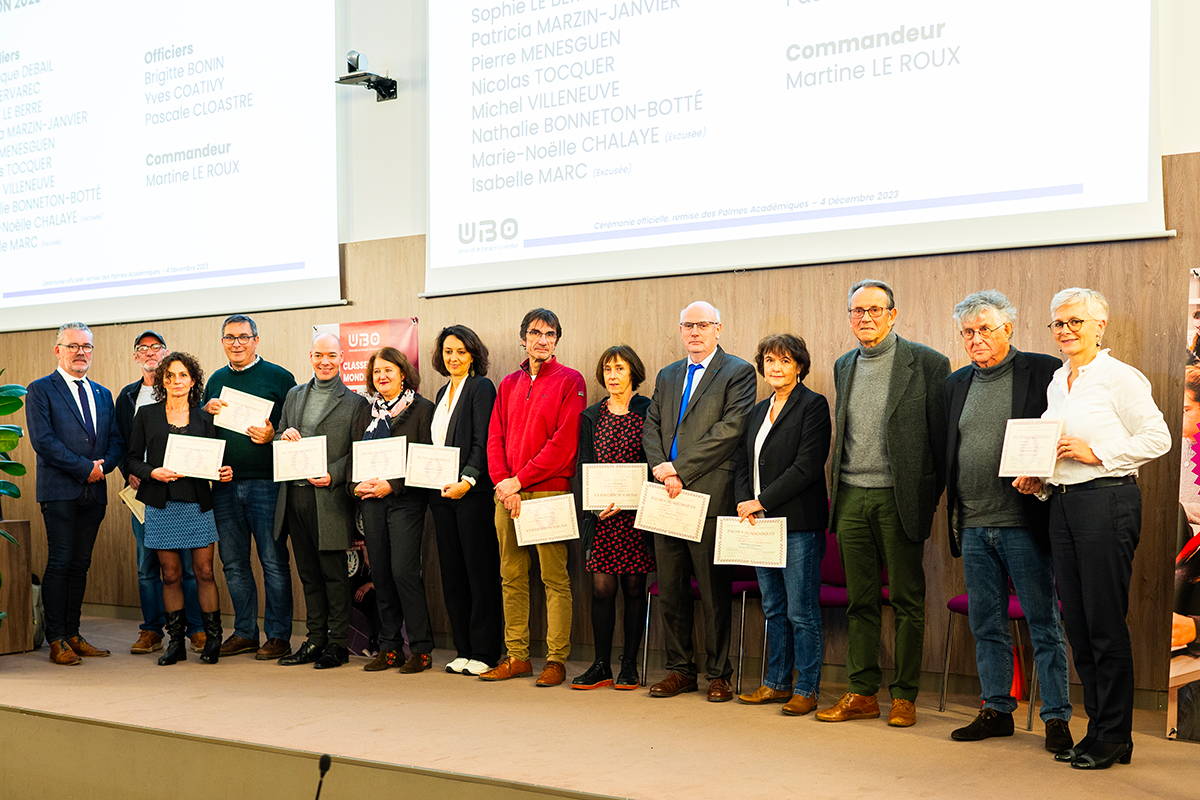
<point x="1000" y="532"/>
<point x="318" y="513"/>
<point x="888" y="473"/>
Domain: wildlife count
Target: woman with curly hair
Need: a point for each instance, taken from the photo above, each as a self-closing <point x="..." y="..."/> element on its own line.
<point x="179" y="512"/>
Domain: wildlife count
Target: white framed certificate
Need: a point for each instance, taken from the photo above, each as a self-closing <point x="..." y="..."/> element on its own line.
<point x="682" y="517"/>
<point x="244" y="411"/>
<point x="615" y="484"/>
<point x="296" y="461"/>
<point x="379" y="458"/>
<point x="430" y="466"/>
<point x="1030" y="448"/>
<point x="763" y="544"/>
<point x="547" y="519"/>
<point x="194" y="456"/>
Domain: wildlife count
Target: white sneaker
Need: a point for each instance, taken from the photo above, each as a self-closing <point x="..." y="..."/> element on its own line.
<point x="474" y="667"/>
<point x="457" y="665"/>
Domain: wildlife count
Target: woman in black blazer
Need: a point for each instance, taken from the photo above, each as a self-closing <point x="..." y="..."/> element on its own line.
<point x="780" y="472"/>
<point x="464" y="516"/>
<point x="393" y="514"/>
<point x="178" y="512"/>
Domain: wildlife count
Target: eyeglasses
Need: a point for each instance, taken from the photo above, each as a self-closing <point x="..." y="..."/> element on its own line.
<point x="983" y="333"/>
<point x="1073" y="325"/>
<point x="79" y="348"/>
<point x="875" y="312"/>
<point x="533" y="335"/>
<point x="701" y="326"/>
<point x="244" y="339"/>
<point x="149" y="348"/>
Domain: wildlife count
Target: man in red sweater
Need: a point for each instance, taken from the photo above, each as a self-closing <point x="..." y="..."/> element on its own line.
<point x="532" y="440"/>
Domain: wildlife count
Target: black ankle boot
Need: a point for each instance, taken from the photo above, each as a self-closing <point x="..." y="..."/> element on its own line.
<point x="177" y="648"/>
<point x="628" y="677"/>
<point x="212" y="636"/>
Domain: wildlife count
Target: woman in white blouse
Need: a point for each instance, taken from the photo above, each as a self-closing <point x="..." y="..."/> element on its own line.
<point x="463" y="512"/>
<point x="1111" y="426"/>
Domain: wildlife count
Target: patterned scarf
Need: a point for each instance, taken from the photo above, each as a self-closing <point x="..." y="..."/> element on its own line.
<point x="382" y="412"/>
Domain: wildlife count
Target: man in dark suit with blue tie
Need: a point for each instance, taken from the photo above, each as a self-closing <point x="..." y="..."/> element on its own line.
<point x="693" y="426"/>
<point x="73" y="430"/>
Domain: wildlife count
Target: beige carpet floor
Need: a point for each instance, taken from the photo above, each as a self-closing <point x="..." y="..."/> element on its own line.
<point x="624" y="744"/>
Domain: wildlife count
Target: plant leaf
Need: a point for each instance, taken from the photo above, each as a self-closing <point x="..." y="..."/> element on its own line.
<point x="13" y="390"/>
<point x="7" y="535"/>
<point x="8" y="439"/>
<point x="9" y="489"/>
<point x="13" y="468"/>
<point x="10" y="405"/>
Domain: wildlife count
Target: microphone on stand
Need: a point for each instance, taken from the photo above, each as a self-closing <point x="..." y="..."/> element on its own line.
<point x="324" y="765"/>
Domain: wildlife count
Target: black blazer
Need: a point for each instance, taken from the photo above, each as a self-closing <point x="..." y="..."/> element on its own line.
<point x="413" y="422"/>
<point x="149" y="436"/>
<point x="1032" y="373"/>
<point x="468" y="431"/>
<point x="791" y="464"/>
<point x="638" y="404"/>
<point x="125" y="401"/>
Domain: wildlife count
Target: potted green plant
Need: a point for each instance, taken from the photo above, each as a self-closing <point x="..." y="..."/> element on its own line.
<point x="10" y="435"/>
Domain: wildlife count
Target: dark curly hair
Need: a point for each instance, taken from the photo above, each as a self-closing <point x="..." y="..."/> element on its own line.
<point x="196" y="394"/>
<point x="470" y="340"/>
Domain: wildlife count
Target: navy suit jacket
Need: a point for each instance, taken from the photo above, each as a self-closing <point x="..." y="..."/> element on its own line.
<point x="64" y="455"/>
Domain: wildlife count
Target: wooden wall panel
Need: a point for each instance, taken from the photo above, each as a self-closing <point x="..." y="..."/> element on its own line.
<point x="1145" y="282"/>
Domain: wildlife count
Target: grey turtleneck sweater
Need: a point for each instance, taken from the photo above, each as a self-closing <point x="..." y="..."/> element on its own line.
<point x="986" y="500"/>
<point x="864" y="452"/>
<point x="319" y="398"/>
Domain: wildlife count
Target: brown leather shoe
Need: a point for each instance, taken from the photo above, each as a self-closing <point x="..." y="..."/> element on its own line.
<point x="61" y="653"/>
<point x="554" y="674"/>
<point x="273" y="650"/>
<point x="198" y="639"/>
<point x="147" y="642"/>
<point x="417" y="662"/>
<point x="799" y="705"/>
<point x="236" y="645"/>
<point x="508" y="668"/>
<point x="719" y="691"/>
<point x="903" y="713"/>
<point x="851" y="706"/>
<point x="385" y="659"/>
<point x="675" y="683"/>
<point x="764" y="694"/>
<point x="85" y="650"/>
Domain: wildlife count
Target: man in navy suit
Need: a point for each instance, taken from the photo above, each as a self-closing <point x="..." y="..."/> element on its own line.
<point x="73" y="430"/>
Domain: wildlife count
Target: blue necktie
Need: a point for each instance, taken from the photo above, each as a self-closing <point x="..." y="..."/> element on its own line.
<point x="87" y="412"/>
<point x="687" y="395"/>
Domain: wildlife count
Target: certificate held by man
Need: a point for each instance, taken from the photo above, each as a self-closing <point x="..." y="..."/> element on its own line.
<point x="430" y="466"/>
<point x="301" y="459"/>
<point x="619" y="485"/>
<point x="380" y="458"/>
<point x="763" y="544"/>
<point x="682" y="517"/>
<point x="194" y="456"/>
<point x="547" y="519"/>
<point x="1030" y="448"/>
<point x="242" y="411"/>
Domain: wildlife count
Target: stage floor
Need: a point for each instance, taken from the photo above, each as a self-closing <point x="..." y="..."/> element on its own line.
<point x="622" y="744"/>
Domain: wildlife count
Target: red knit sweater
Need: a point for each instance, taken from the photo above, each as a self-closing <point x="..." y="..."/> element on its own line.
<point x="534" y="432"/>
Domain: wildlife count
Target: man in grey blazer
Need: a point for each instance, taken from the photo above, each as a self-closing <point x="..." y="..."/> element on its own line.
<point x="693" y="426"/>
<point x="888" y="474"/>
<point x="318" y="513"/>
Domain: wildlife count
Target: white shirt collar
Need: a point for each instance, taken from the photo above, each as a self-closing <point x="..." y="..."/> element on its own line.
<point x="257" y="359"/>
<point x="707" y="360"/>
<point x="69" y="378"/>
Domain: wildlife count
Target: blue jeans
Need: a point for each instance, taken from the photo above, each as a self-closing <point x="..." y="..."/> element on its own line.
<point x="795" y="633"/>
<point x="245" y="509"/>
<point x="990" y="556"/>
<point x="154" y="616"/>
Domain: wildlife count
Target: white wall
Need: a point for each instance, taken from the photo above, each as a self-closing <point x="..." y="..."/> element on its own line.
<point x="382" y="146"/>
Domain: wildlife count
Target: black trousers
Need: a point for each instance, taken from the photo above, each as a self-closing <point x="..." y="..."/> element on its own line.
<point x="323" y="573"/>
<point x="678" y="560"/>
<point x="470" y="563"/>
<point x="1093" y="535"/>
<point x="393" y="528"/>
<point x="71" y="528"/>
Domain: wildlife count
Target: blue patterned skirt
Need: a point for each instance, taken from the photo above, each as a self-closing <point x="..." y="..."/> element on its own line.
<point x="179" y="526"/>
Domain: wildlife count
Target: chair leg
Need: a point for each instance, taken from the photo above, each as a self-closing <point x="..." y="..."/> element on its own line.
<point x="646" y="639"/>
<point x="741" y="643"/>
<point x="762" y="673"/>
<point x="1033" y="684"/>
<point x="946" y="660"/>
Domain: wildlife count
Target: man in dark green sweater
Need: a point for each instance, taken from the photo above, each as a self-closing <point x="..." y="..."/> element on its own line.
<point x="245" y="506"/>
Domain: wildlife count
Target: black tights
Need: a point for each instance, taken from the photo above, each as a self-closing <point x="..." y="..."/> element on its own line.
<point x="604" y="612"/>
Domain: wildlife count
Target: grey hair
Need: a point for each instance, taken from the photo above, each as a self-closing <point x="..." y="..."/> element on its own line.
<point x="975" y="304"/>
<point x="235" y="318"/>
<point x="716" y="311"/>
<point x="71" y="326"/>
<point x="331" y="334"/>
<point x="872" y="284"/>
<point x="1095" y="303"/>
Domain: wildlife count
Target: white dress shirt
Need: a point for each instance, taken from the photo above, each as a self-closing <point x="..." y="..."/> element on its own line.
<point x="763" y="431"/>
<point x="697" y="376"/>
<point x="1110" y="408"/>
<point x="442" y="412"/>
<point x="73" y="388"/>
